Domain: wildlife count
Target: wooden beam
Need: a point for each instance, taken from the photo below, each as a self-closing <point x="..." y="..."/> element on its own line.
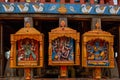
<point x="32" y="1"/>
<point x="1" y="51"/>
<point x="101" y="1"/>
<point x="2" y="1"/>
<point x="118" y="2"/>
<point x="12" y="1"/>
<point x="56" y="16"/>
<point x="62" y="1"/>
<point x="42" y="1"/>
<point x="82" y="1"/>
<point x="22" y="0"/>
<point x="111" y="2"/>
<point x="72" y="1"/>
<point x="53" y="1"/>
<point x="118" y="48"/>
<point x="91" y="1"/>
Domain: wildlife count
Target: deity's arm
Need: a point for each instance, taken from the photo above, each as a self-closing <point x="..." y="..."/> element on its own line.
<point x="90" y="49"/>
<point x="22" y="48"/>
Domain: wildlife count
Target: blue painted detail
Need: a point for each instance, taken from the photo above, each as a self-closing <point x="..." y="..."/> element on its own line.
<point x="51" y="8"/>
<point x="73" y="8"/>
<point x="22" y="7"/>
<point x="1" y="9"/>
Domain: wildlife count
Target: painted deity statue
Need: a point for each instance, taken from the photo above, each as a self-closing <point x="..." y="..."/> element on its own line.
<point x="97" y="52"/>
<point x="62" y="49"/>
<point x="27" y="49"/>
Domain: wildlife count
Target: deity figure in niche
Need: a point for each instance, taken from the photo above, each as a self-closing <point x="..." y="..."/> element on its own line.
<point x="63" y="49"/>
<point x="97" y="50"/>
<point x="27" y="50"/>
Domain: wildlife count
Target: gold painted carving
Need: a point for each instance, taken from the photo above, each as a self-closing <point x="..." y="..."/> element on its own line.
<point x="29" y="33"/>
<point x="64" y="31"/>
<point x="101" y="35"/>
<point x="62" y="9"/>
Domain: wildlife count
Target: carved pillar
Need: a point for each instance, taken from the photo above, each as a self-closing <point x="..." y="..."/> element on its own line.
<point x="1" y="51"/>
<point x="65" y="19"/>
<point x="63" y="69"/>
<point x="28" y="19"/>
<point x="96" y="71"/>
<point x="94" y="21"/>
<point x="118" y="49"/>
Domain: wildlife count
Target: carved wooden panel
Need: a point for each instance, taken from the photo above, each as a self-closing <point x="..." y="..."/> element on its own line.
<point x="97" y="49"/>
<point x="64" y="46"/>
<point x="26" y="48"/>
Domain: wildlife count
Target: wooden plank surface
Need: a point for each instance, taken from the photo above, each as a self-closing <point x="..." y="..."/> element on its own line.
<point x="21" y="78"/>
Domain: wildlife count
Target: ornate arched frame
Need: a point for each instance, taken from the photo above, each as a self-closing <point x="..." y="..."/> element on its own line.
<point x="13" y="53"/>
<point x="108" y="39"/>
<point x="75" y="36"/>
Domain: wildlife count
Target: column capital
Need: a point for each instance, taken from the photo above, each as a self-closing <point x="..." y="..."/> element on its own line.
<point x="94" y="21"/>
<point x="28" y="20"/>
<point x="63" y="19"/>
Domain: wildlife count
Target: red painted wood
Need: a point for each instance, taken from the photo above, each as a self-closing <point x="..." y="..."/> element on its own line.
<point x="42" y="1"/>
<point x="63" y="68"/>
<point x="32" y="0"/>
<point x="62" y="1"/>
<point x="118" y="2"/>
<point x="2" y="59"/>
<point x="53" y="1"/>
<point x="92" y="1"/>
<point x="111" y="2"/>
<point x="11" y="0"/>
<point x="106" y="1"/>
<point x="101" y="1"/>
<point x="71" y="1"/>
<point x="82" y="1"/>
<point x="22" y="0"/>
<point x="2" y="1"/>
